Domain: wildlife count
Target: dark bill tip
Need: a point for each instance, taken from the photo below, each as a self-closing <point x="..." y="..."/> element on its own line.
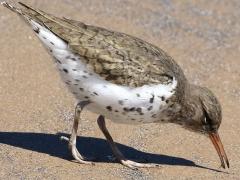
<point x="219" y="148"/>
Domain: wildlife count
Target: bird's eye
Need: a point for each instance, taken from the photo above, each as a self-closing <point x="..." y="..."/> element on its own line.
<point x="207" y="123"/>
<point x="205" y="120"/>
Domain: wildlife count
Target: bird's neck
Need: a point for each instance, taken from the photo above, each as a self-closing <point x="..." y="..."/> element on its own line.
<point x="191" y="106"/>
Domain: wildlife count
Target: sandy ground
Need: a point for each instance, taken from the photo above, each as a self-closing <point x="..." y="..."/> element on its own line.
<point x="35" y="107"/>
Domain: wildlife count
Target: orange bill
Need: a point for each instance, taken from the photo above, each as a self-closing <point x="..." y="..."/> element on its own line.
<point x="219" y="147"/>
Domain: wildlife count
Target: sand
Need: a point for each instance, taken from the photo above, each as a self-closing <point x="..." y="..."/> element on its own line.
<point x="36" y="108"/>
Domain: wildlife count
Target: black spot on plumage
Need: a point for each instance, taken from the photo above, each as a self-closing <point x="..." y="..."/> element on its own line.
<point x="52" y="43"/>
<point x="59" y="61"/>
<point x="150" y="108"/>
<point x="167" y="101"/>
<point x="138" y="95"/>
<point x="84" y="76"/>
<point x="36" y="30"/>
<point x="162" y="98"/>
<point x="116" y="111"/>
<point x="151" y="100"/>
<point x="133" y="119"/>
<point x="77" y="80"/>
<point x="74" y="69"/>
<point x="95" y="93"/>
<point x="120" y="102"/>
<point x="109" y="108"/>
<point x="65" y="70"/>
<point x="73" y="59"/>
<point x="86" y="97"/>
<point x="139" y="110"/>
<point x="132" y="109"/>
<point x="81" y="89"/>
<point x="125" y="109"/>
<point x="44" y="37"/>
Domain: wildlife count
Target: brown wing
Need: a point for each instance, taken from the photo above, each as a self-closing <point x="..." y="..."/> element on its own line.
<point x="117" y="57"/>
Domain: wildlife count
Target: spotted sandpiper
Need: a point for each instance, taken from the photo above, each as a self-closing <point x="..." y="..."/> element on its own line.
<point x="123" y="78"/>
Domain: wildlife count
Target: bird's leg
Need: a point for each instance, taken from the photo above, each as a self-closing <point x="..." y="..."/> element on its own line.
<point x="120" y="157"/>
<point x="72" y="141"/>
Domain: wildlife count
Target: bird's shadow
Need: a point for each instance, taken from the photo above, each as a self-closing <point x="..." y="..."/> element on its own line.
<point x="88" y="147"/>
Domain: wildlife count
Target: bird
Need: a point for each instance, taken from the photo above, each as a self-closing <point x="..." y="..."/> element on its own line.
<point x="123" y="78"/>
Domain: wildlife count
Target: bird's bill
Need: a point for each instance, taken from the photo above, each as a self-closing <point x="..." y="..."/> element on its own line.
<point x="219" y="147"/>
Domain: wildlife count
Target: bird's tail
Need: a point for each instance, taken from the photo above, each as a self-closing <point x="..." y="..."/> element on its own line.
<point x="44" y="19"/>
<point x="12" y="8"/>
<point x="37" y="19"/>
<point x="27" y="12"/>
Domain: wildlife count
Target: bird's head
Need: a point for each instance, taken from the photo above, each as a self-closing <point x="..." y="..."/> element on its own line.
<point x="206" y="117"/>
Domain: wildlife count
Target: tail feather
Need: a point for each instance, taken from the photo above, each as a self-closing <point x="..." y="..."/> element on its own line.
<point x="37" y="20"/>
<point x="12" y="8"/>
<point x="57" y="26"/>
<point x="26" y="6"/>
<point x="26" y="12"/>
<point x="27" y="9"/>
<point x="39" y="16"/>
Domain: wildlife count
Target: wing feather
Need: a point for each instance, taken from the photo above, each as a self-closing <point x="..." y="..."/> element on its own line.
<point x="117" y="57"/>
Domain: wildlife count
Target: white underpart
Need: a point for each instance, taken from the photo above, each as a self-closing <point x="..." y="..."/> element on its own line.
<point x="118" y="103"/>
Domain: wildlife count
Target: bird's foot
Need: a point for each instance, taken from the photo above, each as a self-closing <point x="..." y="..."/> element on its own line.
<point x="136" y="165"/>
<point x="133" y="164"/>
<point x="76" y="155"/>
<point x="79" y="158"/>
<point x="113" y="158"/>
